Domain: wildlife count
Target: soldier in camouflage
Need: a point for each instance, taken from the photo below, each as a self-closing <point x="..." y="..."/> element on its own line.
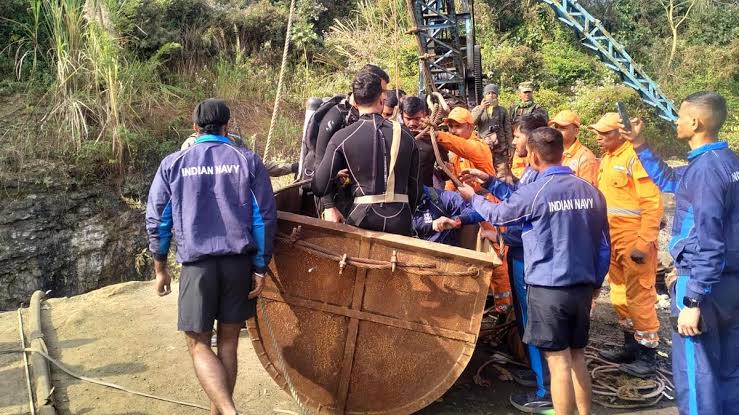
<point x="494" y="127"/>
<point x="527" y="105"/>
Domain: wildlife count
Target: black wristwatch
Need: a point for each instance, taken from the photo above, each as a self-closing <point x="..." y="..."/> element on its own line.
<point x="691" y="302"/>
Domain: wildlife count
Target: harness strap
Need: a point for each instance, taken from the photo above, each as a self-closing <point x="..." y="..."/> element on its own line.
<point x="394" y="149"/>
<point x="389" y="196"/>
<point x="373" y="199"/>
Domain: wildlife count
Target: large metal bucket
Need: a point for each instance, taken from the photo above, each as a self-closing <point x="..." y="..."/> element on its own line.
<point x="356" y="336"/>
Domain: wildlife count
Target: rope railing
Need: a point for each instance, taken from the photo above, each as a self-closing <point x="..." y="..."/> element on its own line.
<point x="419" y="269"/>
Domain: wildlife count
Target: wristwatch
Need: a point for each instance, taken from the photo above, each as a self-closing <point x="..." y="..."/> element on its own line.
<point x="258" y="275"/>
<point x="691" y="302"/>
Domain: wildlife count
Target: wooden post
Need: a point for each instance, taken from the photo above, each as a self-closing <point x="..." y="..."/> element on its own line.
<point x="39" y="365"/>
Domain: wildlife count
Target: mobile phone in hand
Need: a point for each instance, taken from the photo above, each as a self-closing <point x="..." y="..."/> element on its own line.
<point x="625" y="120"/>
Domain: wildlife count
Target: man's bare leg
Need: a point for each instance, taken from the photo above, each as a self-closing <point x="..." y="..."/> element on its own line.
<point x="228" y="344"/>
<point x="210" y="372"/>
<point x="560" y="369"/>
<point x="581" y="381"/>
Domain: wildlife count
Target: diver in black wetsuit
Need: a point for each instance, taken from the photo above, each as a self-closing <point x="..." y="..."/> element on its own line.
<point x="335" y="205"/>
<point x="382" y="163"/>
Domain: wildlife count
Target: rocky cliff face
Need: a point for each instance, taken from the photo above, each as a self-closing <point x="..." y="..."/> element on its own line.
<point x="69" y="242"/>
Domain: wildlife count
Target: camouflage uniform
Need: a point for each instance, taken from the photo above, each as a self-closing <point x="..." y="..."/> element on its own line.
<point x="494" y="127"/>
<point x="525" y="108"/>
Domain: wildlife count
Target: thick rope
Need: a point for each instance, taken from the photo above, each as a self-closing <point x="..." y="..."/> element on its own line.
<point x="278" y="95"/>
<point x="344" y="260"/>
<point x="281" y="361"/>
<point x="611" y="387"/>
<point x="25" y="364"/>
<point x="103" y="383"/>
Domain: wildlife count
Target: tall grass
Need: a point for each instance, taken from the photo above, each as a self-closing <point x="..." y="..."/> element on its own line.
<point x="94" y="85"/>
<point x="377" y="34"/>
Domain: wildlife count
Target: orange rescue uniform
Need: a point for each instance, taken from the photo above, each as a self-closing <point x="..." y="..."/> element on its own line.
<point x="518" y="165"/>
<point x="466" y="154"/>
<point x="634" y="215"/>
<point x="582" y="161"/>
<point x="473" y="153"/>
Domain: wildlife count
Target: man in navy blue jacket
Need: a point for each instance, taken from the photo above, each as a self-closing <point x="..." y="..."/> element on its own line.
<point x="539" y="400"/>
<point x="219" y="198"/>
<point x="566" y="257"/>
<point x="440" y="214"/>
<point x="705" y="246"/>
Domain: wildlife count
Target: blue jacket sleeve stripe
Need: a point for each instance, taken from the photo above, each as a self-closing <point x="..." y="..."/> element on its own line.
<point x="258" y="233"/>
<point x="165" y="230"/>
<point x="159" y="214"/>
<point x="664" y="176"/>
<point x="686" y="227"/>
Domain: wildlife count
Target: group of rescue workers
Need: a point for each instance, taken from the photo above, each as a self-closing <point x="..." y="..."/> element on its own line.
<point x="562" y="218"/>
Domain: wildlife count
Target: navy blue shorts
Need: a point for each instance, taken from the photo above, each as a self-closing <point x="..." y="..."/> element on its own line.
<point x="559" y="317"/>
<point x="215" y="288"/>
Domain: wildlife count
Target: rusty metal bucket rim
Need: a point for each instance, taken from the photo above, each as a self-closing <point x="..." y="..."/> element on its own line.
<point x="475" y="258"/>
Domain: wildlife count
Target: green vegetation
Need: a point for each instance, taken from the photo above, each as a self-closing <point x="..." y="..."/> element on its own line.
<point x="102" y="89"/>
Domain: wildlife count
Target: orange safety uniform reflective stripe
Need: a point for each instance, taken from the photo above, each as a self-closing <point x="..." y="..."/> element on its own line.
<point x="634" y="201"/>
<point x="582" y="161"/>
<point x="634" y="215"/>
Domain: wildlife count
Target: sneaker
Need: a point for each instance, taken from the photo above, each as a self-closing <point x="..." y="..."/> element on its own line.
<point x="532" y="403"/>
<point x="527" y="377"/>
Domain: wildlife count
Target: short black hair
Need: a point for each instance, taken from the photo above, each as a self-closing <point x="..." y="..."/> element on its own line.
<point x="375" y="70"/>
<point x="715" y="106"/>
<point x="531" y="122"/>
<point x="413" y="105"/>
<point x="366" y="88"/>
<point x="391" y="99"/>
<point x="548" y="143"/>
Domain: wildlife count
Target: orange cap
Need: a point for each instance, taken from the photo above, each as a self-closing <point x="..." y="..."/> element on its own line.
<point x="565" y="118"/>
<point x="460" y="115"/>
<point x="608" y="122"/>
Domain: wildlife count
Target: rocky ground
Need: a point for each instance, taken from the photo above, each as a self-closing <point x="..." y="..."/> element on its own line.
<point x="125" y="334"/>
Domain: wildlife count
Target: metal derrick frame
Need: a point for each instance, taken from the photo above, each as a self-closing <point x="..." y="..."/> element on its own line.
<point x="595" y="37"/>
<point x="439" y="25"/>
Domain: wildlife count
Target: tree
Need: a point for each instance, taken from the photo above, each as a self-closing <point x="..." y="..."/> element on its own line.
<point x="677" y="12"/>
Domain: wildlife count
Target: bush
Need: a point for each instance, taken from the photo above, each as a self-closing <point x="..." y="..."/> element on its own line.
<point x="565" y="65"/>
<point x="508" y="65"/>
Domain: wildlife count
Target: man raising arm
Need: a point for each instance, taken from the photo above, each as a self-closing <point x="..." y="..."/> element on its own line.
<point x="705" y="246"/>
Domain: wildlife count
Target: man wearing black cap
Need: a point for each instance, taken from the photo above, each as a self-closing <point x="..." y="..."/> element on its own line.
<point x="494" y="126"/>
<point x="220" y="198"/>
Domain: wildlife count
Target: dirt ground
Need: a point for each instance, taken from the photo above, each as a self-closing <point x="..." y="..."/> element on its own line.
<point x="126" y="335"/>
